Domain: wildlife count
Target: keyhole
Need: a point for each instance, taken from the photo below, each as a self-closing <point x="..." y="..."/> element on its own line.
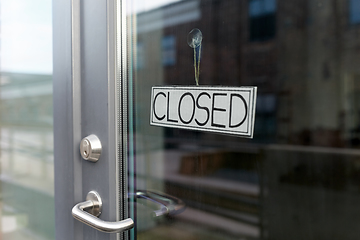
<point x="86" y="149"/>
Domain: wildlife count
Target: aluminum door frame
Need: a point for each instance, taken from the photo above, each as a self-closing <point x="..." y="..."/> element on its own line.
<point x="88" y="71"/>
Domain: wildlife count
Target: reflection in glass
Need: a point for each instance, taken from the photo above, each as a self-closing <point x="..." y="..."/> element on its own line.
<point x="354" y="11"/>
<point x="298" y="178"/>
<point x="262" y="19"/>
<point x="26" y="134"/>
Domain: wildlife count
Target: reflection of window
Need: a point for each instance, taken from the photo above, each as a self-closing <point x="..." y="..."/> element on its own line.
<point x="266" y="103"/>
<point x="262" y="19"/>
<point x="168" y="45"/>
<point x="266" y="122"/>
<point x="354" y="11"/>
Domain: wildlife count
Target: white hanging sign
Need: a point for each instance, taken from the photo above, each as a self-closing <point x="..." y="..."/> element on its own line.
<point x="226" y="110"/>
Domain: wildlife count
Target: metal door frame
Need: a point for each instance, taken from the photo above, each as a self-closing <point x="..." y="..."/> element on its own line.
<point x="89" y="67"/>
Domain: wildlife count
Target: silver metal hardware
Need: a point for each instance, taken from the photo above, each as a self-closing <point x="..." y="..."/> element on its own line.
<point x="87" y="212"/>
<point x="90" y="148"/>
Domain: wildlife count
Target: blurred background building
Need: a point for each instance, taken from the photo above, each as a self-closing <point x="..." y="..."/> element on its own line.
<point x="298" y="177"/>
<point x="26" y="120"/>
<point x="302" y="55"/>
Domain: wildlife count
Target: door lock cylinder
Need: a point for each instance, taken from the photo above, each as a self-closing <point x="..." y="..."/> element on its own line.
<point x="90" y="148"/>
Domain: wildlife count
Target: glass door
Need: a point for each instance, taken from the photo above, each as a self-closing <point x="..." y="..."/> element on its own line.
<point x="26" y="121"/>
<point x="298" y="178"/>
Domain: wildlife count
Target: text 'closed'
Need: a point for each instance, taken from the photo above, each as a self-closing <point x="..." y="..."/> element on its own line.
<point x="226" y="110"/>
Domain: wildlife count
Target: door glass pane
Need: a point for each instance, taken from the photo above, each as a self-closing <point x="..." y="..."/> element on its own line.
<point x="26" y="136"/>
<point x="298" y="178"/>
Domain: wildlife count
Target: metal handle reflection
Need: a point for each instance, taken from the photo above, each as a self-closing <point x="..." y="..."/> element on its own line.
<point x="169" y="205"/>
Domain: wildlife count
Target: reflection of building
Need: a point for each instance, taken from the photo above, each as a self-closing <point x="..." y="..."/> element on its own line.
<point x="304" y="58"/>
<point x="26" y="99"/>
<point x="302" y="55"/>
<point x="27" y="161"/>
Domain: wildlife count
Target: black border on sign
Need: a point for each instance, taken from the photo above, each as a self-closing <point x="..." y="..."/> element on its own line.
<point x="211" y="88"/>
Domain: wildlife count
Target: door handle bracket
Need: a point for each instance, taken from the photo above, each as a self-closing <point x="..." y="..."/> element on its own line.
<point x="87" y="212"/>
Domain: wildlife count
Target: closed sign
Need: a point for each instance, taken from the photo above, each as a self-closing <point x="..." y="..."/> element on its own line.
<point x="226" y="110"/>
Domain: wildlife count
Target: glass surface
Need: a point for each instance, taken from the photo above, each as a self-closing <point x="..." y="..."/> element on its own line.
<point x="26" y="122"/>
<point x="299" y="177"/>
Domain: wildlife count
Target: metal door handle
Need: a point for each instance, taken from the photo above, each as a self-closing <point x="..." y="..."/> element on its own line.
<point x="88" y="212"/>
<point x="169" y="205"/>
